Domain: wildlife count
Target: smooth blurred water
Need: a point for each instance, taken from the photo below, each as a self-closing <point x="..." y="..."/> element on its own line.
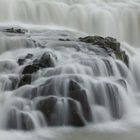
<point x="117" y="18"/>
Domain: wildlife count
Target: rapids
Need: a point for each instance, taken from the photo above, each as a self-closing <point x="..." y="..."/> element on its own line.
<point x="110" y="103"/>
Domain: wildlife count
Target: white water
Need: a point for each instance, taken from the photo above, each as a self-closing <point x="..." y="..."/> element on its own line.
<point x="117" y="18"/>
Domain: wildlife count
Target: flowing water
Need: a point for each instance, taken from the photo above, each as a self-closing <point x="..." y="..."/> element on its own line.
<point x="111" y="91"/>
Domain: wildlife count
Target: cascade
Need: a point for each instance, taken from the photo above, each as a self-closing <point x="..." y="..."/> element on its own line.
<point x="52" y="76"/>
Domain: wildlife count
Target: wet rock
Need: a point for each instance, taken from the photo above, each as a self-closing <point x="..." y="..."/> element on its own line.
<point x="105" y="43"/>
<point x="16" y="30"/>
<point x="73" y="85"/>
<point x="49" y="107"/>
<point x="29" y="56"/>
<point x="62" y="39"/>
<point x="21" y="61"/>
<point x="75" y="117"/>
<point x="25" y="79"/>
<point x="80" y="95"/>
<point x="123" y="57"/>
<point x="111" y="45"/>
<point x="18" y="120"/>
<point x="44" y="61"/>
<point x="29" y="69"/>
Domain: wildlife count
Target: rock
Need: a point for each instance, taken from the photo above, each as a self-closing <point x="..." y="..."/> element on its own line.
<point x="80" y="95"/>
<point x="49" y="107"/>
<point x="111" y="45"/>
<point x="105" y="43"/>
<point x="29" y="69"/>
<point x="44" y="61"/>
<point x="62" y="39"/>
<point x="29" y="56"/>
<point x="73" y="85"/>
<point x="75" y="117"/>
<point x="16" y="30"/>
<point x="123" y="57"/>
<point x="21" y="61"/>
<point x="18" y="120"/>
<point x="25" y="79"/>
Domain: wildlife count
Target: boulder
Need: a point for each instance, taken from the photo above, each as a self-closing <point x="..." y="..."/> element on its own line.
<point x="21" y="61"/>
<point x="29" y="69"/>
<point x="25" y="79"/>
<point x="80" y="95"/>
<point x="44" y="61"/>
<point x="18" y="120"/>
<point x="48" y="106"/>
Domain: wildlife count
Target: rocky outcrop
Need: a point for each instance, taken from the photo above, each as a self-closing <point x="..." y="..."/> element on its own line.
<point x="48" y="106"/>
<point x="15" y="30"/>
<point x="111" y="45"/>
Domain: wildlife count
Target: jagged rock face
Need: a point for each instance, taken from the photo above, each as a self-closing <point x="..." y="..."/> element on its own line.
<point x="111" y="45"/>
<point x="65" y="81"/>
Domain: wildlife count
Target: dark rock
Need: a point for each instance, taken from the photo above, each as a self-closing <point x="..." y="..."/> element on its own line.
<point x="105" y="43"/>
<point x="48" y="106"/>
<point x="21" y="61"/>
<point x="16" y="30"/>
<point x="75" y="117"/>
<point x="25" y="79"/>
<point x="29" y="69"/>
<point x="80" y="95"/>
<point x="29" y="56"/>
<point x="73" y="85"/>
<point x="18" y="120"/>
<point x="62" y="39"/>
<point x="44" y="61"/>
<point x="111" y="45"/>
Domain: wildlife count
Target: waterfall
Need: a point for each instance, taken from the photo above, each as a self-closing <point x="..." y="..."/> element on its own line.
<point x="119" y="19"/>
<point x="53" y="77"/>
